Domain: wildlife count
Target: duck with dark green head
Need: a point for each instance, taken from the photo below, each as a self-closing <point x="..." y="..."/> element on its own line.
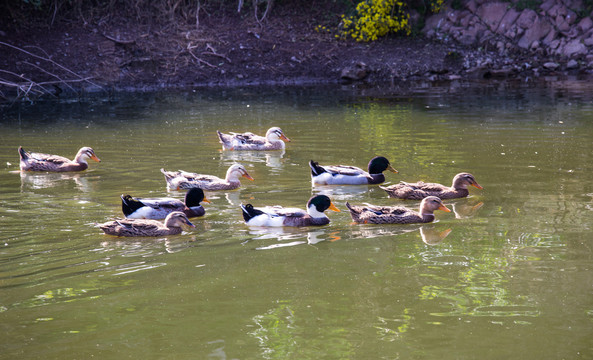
<point x="276" y="216"/>
<point x="159" y="208"/>
<point x="350" y="175"/>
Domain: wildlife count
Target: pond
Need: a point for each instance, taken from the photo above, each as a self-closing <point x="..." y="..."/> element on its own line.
<point x="507" y="274"/>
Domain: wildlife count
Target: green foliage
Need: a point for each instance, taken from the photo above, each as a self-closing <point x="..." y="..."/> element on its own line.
<point x="585" y="10"/>
<point x="527" y="4"/>
<point x="36" y="3"/>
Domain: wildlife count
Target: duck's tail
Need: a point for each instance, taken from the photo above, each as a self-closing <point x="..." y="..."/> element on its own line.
<point x="225" y="139"/>
<point x="353" y="213"/>
<point x="249" y="212"/>
<point x="24" y="155"/>
<point x="316" y="169"/>
<point x="168" y="174"/>
<point x="129" y="205"/>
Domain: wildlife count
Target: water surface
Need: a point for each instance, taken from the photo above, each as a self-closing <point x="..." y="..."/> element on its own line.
<point x="508" y="274"/>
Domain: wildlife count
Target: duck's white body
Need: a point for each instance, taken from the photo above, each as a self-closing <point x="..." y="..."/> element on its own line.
<point x="277" y="216"/>
<point x="274" y="140"/>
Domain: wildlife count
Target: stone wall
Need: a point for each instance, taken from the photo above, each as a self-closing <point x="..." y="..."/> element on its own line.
<point x="557" y="33"/>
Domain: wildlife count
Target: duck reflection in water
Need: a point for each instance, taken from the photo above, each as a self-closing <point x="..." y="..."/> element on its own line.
<point x="273" y="159"/>
<point x="344" y="192"/>
<point x="289" y="236"/>
<point x="432" y="236"/>
<point x="49" y="180"/>
<point x="465" y="208"/>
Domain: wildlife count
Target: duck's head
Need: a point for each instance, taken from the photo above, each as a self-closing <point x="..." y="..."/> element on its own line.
<point x="275" y="133"/>
<point x="462" y="180"/>
<point x="318" y="204"/>
<point x="177" y="219"/>
<point x="378" y="164"/>
<point x="194" y="197"/>
<point x="86" y="153"/>
<point x="236" y="171"/>
<point x="430" y="204"/>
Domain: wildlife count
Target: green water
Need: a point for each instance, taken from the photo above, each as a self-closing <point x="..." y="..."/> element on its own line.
<point x="513" y="278"/>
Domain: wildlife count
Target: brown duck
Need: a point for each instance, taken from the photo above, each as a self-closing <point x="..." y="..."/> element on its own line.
<point x="31" y="161"/>
<point x="371" y="214"/>
<point x="420" y="190"/>
<point x="143" y="227"/>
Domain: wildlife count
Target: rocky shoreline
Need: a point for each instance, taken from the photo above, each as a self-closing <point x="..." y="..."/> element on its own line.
<point x="551" y="38"/>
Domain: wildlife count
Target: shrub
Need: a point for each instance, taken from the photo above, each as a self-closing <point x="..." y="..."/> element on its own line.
<point x="373" y="19"/>
<point x="376" y="18"/>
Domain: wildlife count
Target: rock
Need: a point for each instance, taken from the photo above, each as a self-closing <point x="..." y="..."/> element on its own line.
<point x="501" y="73"/>
<point x="561" y="24"/>
<point x="537" y="31"/>
<point x="478" y="72"/>
<point x="534" y="45"/>
<point x="526" y="19"/>
<point x="452" y="77"/>
<point x="551" y="65"/>
<point x="507" y="21"/>
<point x="435" y="21"/>
<point x="573" y="48"/>
<point x="585" y="24"/>
<point x="492" y="13"/>
<point x="552" y="35"/>
<point x="572" y="64"/>
<point x="547" y="5"/>
<point x="471" y="6"/>
<point x="465" y="18"/>
<point x="355" y="72"/>
<point x="570" y="17"/>
<point x="557" y="10"/>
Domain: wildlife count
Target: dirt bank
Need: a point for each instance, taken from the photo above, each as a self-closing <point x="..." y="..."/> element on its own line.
<point x="234" y="50"/>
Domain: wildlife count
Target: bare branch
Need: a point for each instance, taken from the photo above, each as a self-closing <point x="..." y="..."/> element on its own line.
<point x="46" y="59"/>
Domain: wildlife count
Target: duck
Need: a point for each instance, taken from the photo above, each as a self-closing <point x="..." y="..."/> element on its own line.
<point x="185" y="180"/>
<point x="350" y="175"/>
<point x="420" y="190"/>
<point x="276" y="216"/>
<point x="147" y="227"/>
<point x="397" y="214"/>
<point x="274" y="140"/>
<point x="31" y="161"/>
<point x="159" y="208"/>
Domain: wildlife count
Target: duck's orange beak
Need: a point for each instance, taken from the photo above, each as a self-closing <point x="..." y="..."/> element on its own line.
<point x="283" y="137"/>
<point x="94" y="157"/>
<point x="476" y="185"/>
<point x="444" y="208"/>
<point x="333" y="207"/>
<point x="206" y="200"/>
<point x="247" y="176"/>
<point x="390" y="168"/>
